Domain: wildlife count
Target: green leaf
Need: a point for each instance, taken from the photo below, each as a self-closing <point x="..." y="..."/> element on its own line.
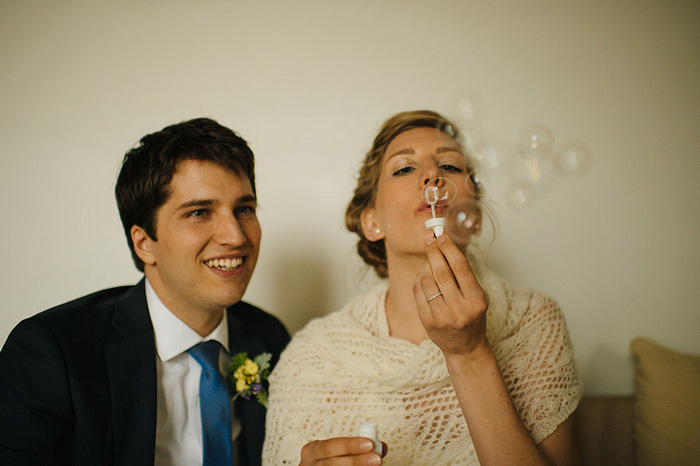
<point x="263" y="361"/>
<point x="237" y="360"/>
<point x="262" y="398"/>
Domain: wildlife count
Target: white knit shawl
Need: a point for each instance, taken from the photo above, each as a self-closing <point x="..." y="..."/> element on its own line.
<point x="345" y="368"/>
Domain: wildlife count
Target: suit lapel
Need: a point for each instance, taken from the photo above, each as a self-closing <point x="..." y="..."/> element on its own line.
<point x="251" y="413"/>
<point x="132" y="377"/>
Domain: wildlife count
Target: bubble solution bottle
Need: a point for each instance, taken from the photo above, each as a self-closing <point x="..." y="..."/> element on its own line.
<point x="369" y="430"/>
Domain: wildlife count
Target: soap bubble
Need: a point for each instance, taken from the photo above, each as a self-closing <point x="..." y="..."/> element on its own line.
<point x="538" y="172"/>
<point x="573" y="159"/>
<point x="464" y="219"/>
<point x="521" y="195"/>
<point x="439" y="191"/>
<point x="491" y="159"/>
<point x="467" y="107"/>
<point x="536" y="142"/>
<point x="489" y="155"/>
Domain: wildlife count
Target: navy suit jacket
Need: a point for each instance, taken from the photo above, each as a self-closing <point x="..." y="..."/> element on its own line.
<point x="78" y="382"/>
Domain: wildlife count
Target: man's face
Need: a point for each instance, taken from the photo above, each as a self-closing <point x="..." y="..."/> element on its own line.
<point x="208" y="241"/>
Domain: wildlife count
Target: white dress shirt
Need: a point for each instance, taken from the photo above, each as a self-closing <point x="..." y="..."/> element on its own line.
<point x="178" y="419"/>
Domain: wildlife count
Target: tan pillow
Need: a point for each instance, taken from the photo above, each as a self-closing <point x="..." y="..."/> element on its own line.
<point x="667" y="405"/>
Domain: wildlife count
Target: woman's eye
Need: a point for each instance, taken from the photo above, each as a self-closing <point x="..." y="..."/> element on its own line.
<point x="403" y="171"/>
<point x="451" y="168"/>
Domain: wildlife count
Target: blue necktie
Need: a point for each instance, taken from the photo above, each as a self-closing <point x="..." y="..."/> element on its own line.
<point x="214" y="405"/>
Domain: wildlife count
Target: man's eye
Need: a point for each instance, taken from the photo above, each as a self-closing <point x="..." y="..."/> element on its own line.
<point x="246" y="210"/>
<point x="403" y="171"/>
<point x="198" y="213"/>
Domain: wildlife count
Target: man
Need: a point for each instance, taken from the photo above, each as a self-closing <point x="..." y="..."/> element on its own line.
<point x="116" y="377"/>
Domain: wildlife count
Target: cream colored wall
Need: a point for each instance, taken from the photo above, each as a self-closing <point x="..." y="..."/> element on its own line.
<point x="307" y="84"/>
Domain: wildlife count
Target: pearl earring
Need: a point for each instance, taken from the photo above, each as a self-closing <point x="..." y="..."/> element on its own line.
<point x="377" y="231"/>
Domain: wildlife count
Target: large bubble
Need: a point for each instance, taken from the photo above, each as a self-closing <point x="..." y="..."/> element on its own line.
<point x="464" y="219"/>
<point x="536" y="142"/>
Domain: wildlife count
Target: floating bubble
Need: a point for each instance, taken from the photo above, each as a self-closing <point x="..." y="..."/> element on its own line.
<point x="521" y="195"/>
<point x="536" y="142"/>
<point x="489" y="155"/>
<point x="464" y="219"/>
<point x="448" y="129"/>
<point x="538" y="172"/>
<point x="476" y="187"/>
<point x="573" y="159"/>
<point x="467" y="107"/>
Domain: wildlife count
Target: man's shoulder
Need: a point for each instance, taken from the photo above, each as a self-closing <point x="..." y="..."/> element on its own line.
<point x="252" y="315"/>
<point x="105" y="297"/>
<point x="90" y="311"/>
<point x="253" y="321"/>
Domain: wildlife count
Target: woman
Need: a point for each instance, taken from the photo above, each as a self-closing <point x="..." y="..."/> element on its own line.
<point x="454" y="366"/>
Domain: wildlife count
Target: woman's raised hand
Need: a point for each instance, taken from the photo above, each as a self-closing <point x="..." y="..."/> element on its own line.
<point x="455" y="319"/>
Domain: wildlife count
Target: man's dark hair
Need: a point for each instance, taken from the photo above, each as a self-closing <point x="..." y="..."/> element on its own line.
<point x="143" y="185"/>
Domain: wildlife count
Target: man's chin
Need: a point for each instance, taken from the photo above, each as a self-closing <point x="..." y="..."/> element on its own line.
<point x="229" y="300"/>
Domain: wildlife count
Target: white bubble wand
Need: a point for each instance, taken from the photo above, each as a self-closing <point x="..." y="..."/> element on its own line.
<point x="433" y="196"/>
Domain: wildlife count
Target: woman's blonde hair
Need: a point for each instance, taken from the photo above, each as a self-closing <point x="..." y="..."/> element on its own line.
<point x="374" y="253"/>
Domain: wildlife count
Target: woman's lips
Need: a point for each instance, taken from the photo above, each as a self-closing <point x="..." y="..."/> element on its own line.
<point x="439" y="209"/>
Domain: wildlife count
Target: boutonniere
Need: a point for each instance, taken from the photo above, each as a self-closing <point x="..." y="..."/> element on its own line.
<point x="249" y="377"/>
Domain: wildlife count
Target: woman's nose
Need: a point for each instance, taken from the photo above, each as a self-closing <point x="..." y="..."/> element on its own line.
<point x="430" y="174"/>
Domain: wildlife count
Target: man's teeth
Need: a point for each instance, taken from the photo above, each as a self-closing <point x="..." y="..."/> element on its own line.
<point x="225" y="264"/>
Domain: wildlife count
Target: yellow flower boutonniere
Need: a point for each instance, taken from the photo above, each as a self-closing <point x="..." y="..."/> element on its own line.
<point x="249" y="377"/>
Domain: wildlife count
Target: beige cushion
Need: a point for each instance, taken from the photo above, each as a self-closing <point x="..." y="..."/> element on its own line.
<point x="667" y="405"/>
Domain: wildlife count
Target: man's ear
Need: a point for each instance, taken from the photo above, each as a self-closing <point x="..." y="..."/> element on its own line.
<point x="370" y="227"/>
<point x="143" y="245"/>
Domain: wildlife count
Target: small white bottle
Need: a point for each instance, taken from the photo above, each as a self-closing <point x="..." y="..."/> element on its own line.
<point x="369" y="430"/>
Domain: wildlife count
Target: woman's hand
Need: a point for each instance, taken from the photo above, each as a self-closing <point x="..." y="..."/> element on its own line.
<point x="341" y="451"/>
<point x="456" y="319"/>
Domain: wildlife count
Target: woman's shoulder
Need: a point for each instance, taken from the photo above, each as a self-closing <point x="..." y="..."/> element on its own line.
<point x="356" y="312"/>
<point x="351" y="318"/>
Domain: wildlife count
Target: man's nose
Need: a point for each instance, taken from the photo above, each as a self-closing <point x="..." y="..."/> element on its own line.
<point x="229" y="232"/>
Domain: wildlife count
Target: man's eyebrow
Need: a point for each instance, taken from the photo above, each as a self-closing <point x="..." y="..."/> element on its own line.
<point x="247" y="198"/>
<point x="196" y="203"/>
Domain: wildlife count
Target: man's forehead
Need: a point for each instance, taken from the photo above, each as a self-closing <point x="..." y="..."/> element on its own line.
<point x="199" y="177"/>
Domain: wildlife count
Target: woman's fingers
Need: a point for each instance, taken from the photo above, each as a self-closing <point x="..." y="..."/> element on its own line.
<point x="448" y="272"/>
<point x="458" y="264"/>
<point x="340" y="451"/>
<point x="440" y="273"/>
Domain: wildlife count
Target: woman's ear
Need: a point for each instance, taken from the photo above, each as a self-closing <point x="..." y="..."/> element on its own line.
<point x="143" y="245"/>
<point x="370" y="228"/>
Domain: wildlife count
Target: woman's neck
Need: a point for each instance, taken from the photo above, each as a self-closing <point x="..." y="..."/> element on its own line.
<point x="401" y="310"/>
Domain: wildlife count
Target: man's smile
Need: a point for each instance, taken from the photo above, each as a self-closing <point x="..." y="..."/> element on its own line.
<point x="227" y="264"/>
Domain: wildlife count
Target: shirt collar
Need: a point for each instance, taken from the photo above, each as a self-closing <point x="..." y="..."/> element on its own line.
<point x="172" y="336"/>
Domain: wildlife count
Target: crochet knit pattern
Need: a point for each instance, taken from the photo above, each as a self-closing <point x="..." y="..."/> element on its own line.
<point x="345" y="368"/>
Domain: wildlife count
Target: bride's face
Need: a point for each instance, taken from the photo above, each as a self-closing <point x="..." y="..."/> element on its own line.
<point x="411" y="161"/>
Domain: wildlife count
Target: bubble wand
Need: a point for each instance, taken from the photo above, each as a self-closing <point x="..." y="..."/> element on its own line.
<point x="432" y="196"/>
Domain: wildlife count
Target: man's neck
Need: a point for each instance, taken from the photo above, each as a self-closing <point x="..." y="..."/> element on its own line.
<point x="200" y="320"/>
